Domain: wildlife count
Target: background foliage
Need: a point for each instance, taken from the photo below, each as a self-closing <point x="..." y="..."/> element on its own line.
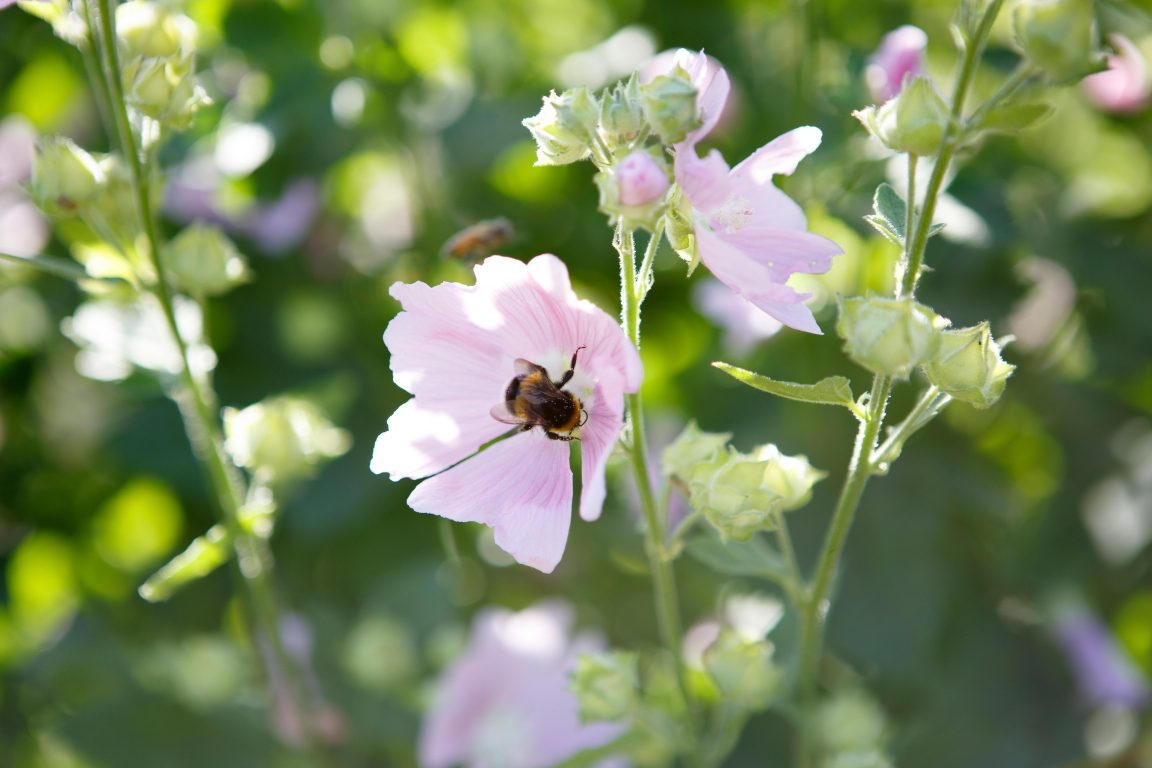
<point x="403" y="120"/>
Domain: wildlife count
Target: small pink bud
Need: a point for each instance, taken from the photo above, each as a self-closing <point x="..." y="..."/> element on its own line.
<point x="1124" y="87"/>
<point x="642" y="180"/>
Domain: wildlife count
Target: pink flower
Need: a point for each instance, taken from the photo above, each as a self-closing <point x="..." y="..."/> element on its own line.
<point x="901" y="53"/>
<point x="505" y="702"/>
<point x="641" y="179"/>
<point x="750" y="235"/>
<point x="455" y="348"/>
<point x="1124" y="88"/>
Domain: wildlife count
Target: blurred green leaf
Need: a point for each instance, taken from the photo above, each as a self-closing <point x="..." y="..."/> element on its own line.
<point x="754" y="557"/>
<point x="205" y="554"/>
<point x="138" y="525"/>
<point x="891" y="213"/>
<point x="1013" y="118"/>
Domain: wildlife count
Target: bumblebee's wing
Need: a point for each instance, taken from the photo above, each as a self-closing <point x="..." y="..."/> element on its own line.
<point x="527" y="367"/>
<point x="503" y="413"/>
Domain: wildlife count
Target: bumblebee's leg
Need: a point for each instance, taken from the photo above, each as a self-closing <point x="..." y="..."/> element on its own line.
<point x="526" y="427"/>
<point x="571" y="369"/>
<point x="565" y="438"/>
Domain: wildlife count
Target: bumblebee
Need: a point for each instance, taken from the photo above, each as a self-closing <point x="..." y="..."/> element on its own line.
<point x="479" y="240"/>
<point x="532" y="399"/>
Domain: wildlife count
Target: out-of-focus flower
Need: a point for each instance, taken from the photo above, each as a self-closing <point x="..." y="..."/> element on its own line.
<point x="750" y="235"/>
<point x="901" y="53"/>
<point x="1059" y="36"/>
<point x="1104" y="674"/>
<point x="23" y="230"/>
<point x="1124" y="88"/>
<point x="203" y="262"/>
<point x="744" y="325"/>
<point x="506" y="702"/>
<point x="115" y="338"/>
<point x="282" y="438"/>
<point x="457" y="348"/>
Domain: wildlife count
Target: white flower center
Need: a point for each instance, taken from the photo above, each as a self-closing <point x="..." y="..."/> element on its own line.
<point x="732" y="214"/>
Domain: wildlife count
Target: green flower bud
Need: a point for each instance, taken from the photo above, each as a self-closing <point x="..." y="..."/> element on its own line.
<point x="606" y="685"/>
<point x="564" y="127"/>
<point x="152" y="30"/>
<point x="281" y="438"/>
<point x="888" y="336"/>
<point x="669" y="103"/>
<point x="692" y="448"/>
<point x="632" y="191"/>
<point x="165" y="90"/>
<point x="968" y="366"/>
<point x="850" y="721"/>
<point x="64" y="177"/>
<point x="738" y="492"/>
<point x="744" y="672"/>
<point x="1059" y="36"/>
<point x="202" y="261"/>
<point x="621" y="115"/>
<point x="913" y="121"/>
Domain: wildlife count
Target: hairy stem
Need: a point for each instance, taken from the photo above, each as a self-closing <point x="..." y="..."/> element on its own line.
<point x="195" y="398"/>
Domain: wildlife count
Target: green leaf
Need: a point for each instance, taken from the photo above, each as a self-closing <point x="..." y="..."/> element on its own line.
<point x="69" y="270"/>
<point x="834" y="390"/>
<point x="891" y="211"/>
<point x="754" y="557"/>
<point x="204" y="555"/>
<point x="1013" y="118"/>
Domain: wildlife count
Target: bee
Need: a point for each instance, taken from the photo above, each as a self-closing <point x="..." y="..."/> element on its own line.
<point x="479" y="240"/>
<point x="532" y="399"/>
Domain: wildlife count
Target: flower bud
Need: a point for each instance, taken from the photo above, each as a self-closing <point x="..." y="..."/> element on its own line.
<point x="165" y="90"/>
<point x="152" y="30"/>
<point x="621" y="115"/>
<point x="850" y="721"/>
<point x="281" y="438"/>
<point x="564" y="126"/>
<point x="743" y="671"/>
<point x="606" y="685"/>
<point x="669" y="103"/>
<point x="633" y="190"/>
<point x="738" y="492"/>
<point x="968" y="366"/>
<point x="64" y="176"/>
<point x="913" y="122"/>
<point x="202" y="261"/>
<point x="680" y="229"/>
<point x="1059" y="36"/>
<point x="690" y="449"/>
<point x="888" y="336"/>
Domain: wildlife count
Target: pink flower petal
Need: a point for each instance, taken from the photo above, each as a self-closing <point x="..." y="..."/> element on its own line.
<point x="712" y="88"/>
<point x="703" y="180"/>
<point x="780" y="156"/>
<point x="521" y="487"/>
<point x="785" y="251"/>
<point x="605" y="420"/>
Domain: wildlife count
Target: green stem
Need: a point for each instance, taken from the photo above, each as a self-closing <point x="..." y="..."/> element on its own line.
<point x="644" y="277"/>
<point x="817" y="601"/>
<point x="663" y="578"/>
<point x="196" y="401"/>
<point x="949" y="143"/>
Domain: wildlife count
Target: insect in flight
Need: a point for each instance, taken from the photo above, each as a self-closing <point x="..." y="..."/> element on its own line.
<point x="534" y="400"/>
<point x="479" y="240"/>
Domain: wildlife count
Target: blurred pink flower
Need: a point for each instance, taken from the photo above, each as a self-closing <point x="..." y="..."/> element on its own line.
<point x="901" y="53"/>
<point x="743" y="324"/>
<point x="750" y="235"/>
<point x="505" y="702"/>
<point x="23" y="229"/>
<point x="455" y="347"/>
<point x="1124" y="88"/>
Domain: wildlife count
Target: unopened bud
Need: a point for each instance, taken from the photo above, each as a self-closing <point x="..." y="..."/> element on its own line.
<point x="202" y="261"/>
<point x="605" y="685"/>
<point x="281" y="438"/>
<point x="968" y="366"/>
<point x="564" y="126"/>
<point x="633" y="190"/>
<point x="621" y="115"/>
<point x="152" y="30"/>
<point x="690" y="449"/>
<point x="64" y="176"/>
<point x="850" y="721"/>
<point x="739" y="492"/>
<point x="165" y="90"/>
<point x="744" y="671"/>
<point x="1059" y="36"/>
<point x="888" y="336"/>
<point x="670" y="106"/>
<point x="914" y="121"/>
